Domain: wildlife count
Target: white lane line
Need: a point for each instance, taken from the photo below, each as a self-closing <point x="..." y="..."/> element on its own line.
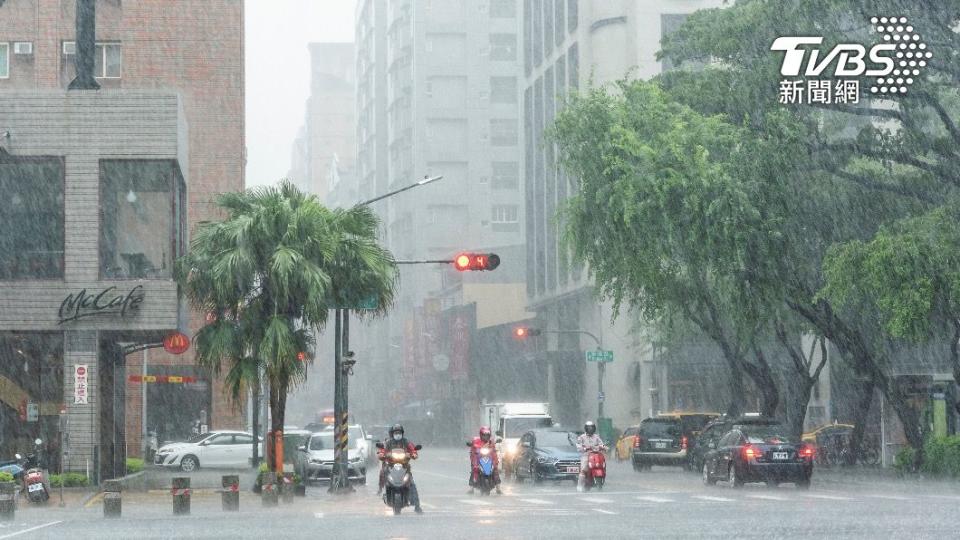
<point x="475" y="502"/>
<point x="946" y="497"/>
<point x="890" y="497"/>
<point x="597" y="500"/>
<point x="18" y="533"/>
<point x="768" y="497"/>
<point x="429" y="506"/>
<point x="318" y="515"/>
<point x="714" y="499"/>
<point x="602" y="511"/>
<point x="650" y="498"/>
<point x="448" y="477"/>
<point x="535" y="501"/>
<point x="826" y="497"/>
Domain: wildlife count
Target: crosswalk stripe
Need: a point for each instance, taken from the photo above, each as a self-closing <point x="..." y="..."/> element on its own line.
<point x="890" y="497"/>
<point x="824" y="496"/>
<point x="475" y="502"/>
<point x="428" y="505"/>
<point x="602" y="511"/>
<point x="651" y="498"/>
<point x="318" y="515"/>
<point x="536" y="501"/>
<point x="597" y="500"/>
<point x="768" y="497"/>
<point x="714" y="499"/>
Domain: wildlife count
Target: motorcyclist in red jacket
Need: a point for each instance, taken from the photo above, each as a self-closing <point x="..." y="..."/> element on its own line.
<point x="485" y="439"/>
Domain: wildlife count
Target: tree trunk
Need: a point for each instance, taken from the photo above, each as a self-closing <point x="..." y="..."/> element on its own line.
<point x="278" y="418"/>
<point x="799" y="415"/>
<point x="860" y="418"/>
<point x="763" y="379"/>
<point x="255" y="414"/>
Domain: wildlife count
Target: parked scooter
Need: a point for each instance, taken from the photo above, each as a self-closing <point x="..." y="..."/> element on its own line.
<point x="34" y="479"/>
<point x="596" y="472"/>
<point x="398" y="477"/>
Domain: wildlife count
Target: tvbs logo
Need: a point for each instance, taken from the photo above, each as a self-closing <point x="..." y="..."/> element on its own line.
<point x="896" y="61"/>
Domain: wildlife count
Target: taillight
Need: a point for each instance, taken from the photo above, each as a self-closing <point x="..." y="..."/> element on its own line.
<point x="806" y="451"/>
<point x="750" y="452"/>
<point x="683" y="442"/>
<point x="637" y="441"/>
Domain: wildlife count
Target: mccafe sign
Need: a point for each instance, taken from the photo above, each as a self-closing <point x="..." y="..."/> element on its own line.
<point x="109" y="301"/>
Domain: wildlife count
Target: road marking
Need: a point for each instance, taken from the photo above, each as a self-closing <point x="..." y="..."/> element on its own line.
<point x="18" y="533"/>
<point x="890" y="497"/>
<point x="448" y="477"/>
<point x="650" y="498"/>
<point x="768" y="497"/>
<point x="318" y="515"/>
<point x="428" y="505"/>
<point x="602" y="511"/>
<point x="947" y="497"/>
<point x="827" y="497"/>
<point x="714" y="499"/>
<point x="536" y="501"/>
<point x="475" y="502"/>
<point x="93" y="500"/>
<point x="598" y="500"/>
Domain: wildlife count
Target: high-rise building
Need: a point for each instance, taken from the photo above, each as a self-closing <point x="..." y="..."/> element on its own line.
<point x="109" y="172"/>
<point x="568" y="44"/>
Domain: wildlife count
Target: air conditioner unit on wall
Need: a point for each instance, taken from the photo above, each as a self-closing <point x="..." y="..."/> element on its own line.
<point x="23" y="47"/>
<point x="69" y="47"/>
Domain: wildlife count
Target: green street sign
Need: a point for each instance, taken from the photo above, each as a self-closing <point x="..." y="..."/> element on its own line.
<point x="599" y="356"/>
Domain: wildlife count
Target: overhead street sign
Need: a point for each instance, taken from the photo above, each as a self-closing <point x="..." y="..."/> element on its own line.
<point x="599" y="356"/>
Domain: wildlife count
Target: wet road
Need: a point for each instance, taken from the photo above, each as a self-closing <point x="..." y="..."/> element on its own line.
<point x="664" y="503"/>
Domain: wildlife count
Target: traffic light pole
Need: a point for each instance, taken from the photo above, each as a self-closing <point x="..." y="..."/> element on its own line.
<point x="601" y="366"/>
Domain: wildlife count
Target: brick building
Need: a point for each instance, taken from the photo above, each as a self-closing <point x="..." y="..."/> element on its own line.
<point x="171" y="73"/>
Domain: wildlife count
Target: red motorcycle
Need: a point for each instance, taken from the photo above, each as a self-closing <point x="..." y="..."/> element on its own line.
<point x="596" y="472"/>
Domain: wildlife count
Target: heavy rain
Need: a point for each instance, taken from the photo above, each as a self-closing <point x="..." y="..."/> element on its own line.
<point x="460" y="268"/>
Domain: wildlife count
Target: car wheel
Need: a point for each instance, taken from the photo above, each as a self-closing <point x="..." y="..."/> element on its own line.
<point x="707" y="479"/>
<point x="189" y="464"/>
<point x="732" y="478"/>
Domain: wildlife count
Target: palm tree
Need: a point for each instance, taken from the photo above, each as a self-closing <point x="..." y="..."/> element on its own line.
<point x="267" y="276"/>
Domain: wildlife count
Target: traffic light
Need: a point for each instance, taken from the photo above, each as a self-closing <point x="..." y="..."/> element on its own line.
<point x="476" y="261"/>
<point x="523" y="332"/>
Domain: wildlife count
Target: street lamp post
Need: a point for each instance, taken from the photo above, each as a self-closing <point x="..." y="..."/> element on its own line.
<point x="343" y="367"/>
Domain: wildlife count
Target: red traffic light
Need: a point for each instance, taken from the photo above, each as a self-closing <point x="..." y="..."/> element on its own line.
<point x="476" y="261"/>
<point x="301" y="356"/>
<point x="523" y="332"/>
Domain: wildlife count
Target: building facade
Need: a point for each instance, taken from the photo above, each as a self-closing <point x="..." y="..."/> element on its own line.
<point x="566" y="45"/>
<point x="120" y="175"/>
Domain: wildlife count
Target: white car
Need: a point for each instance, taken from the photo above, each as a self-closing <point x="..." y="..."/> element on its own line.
<point x="360" y="441"/>
<point x="217" y="449"/>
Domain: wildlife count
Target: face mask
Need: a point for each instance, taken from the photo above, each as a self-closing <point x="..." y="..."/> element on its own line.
<point x="397" y="436"/>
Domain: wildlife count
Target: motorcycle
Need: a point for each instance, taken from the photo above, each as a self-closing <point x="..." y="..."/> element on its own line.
<point x="398" y="478"/>
<point x="34" y="480"/>
<point x="596" y="472"/>
<point x="486" y="480"/>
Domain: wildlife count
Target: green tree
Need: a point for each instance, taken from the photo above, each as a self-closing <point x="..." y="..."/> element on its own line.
<point x="268" y="275"/>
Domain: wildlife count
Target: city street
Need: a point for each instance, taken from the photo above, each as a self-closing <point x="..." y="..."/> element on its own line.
<point x="664" y="503"/>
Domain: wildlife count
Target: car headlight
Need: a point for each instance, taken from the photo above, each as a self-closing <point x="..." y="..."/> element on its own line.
<point x="164" y="451"/>
<point x="542" y="459"/>
<point x="354" y="459"/>
<point x="315" y="461"/>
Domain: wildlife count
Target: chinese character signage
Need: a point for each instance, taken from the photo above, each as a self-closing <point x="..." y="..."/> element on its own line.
<point x="80" y="384"/>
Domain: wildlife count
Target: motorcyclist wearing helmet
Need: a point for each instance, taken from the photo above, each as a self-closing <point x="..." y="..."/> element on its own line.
<point x="396" y="439"/>
<point x="484" y="439"/>
<point x="587" y="442"/>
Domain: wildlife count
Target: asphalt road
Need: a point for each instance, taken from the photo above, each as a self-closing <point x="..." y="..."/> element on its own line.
<point x="663" y="503"/>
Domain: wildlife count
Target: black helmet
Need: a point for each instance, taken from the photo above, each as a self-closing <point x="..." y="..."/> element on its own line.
<point x="590" y="428"/>
<point x="395" y="428"/>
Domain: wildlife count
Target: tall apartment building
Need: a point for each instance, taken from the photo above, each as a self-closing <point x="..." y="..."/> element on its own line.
<point x="566" y="45"/>
<point x="95" y="178"/>
<point x="438" y="94"/>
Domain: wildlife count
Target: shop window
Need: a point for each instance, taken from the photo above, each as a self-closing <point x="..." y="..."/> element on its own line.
<point x="4" y="60"/>
<point x="31" y="218"/>
<point x="141" y="230"/>
<point x="31" y="369"/>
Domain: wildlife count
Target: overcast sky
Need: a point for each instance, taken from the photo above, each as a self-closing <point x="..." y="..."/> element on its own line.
<point x="278" y="74"/>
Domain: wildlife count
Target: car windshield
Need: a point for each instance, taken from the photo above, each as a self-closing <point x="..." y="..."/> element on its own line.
<point x="556" y="439"/>
<point x="663" y="429"/>
<point x="515" y="427"/>
<point x="321" y="441"/>
<point x="767" y="435"/>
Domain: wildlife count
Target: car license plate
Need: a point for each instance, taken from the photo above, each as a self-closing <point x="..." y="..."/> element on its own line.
<point x="661" y="445"/>
<point x="35" y="487"/>
<point x="781" y="455"/>
<point x="573" y="469"/>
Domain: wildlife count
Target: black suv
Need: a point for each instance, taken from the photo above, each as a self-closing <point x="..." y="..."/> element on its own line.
<point x="660" y="441"/>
